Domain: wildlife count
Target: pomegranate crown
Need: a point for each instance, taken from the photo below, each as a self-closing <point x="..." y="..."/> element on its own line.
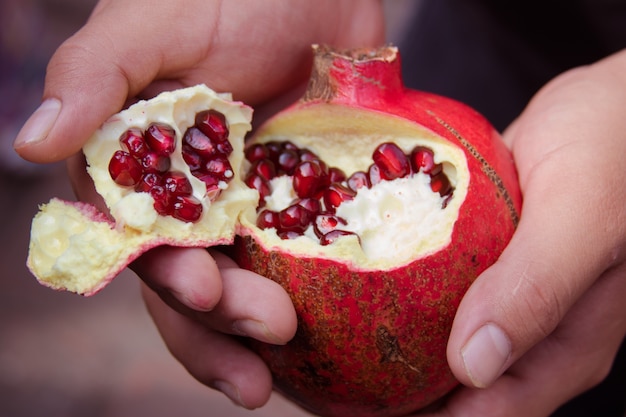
<point x="355" y="75"/>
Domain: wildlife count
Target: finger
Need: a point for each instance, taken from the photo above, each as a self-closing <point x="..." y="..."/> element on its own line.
<point x="214" y="359"/>
<point x="570" y="232"/>
<point x="251" y="305"/>
<point x="117" y="56"/>
<point x="188" y="279"/>
<point x="555" y="255"/>
<point x="214" y="291"/>
<point x="576" y="357"/>
<point x="90" y="77"/>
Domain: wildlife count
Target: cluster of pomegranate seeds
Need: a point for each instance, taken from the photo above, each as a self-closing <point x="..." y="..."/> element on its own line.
<point x="321" y="189"/>
<point x="145" y="159"/>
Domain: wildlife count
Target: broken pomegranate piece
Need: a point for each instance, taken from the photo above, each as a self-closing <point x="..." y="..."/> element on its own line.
<point x="164" y="181"/>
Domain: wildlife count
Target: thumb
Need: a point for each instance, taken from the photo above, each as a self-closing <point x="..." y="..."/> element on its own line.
<point x="571" y="229"/>
<point x="88" y="79"/>
<point x="559" y="249"/>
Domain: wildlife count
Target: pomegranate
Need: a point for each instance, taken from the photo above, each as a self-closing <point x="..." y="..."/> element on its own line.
<point x="161" y="166"/>
<point x="373" y="205"/>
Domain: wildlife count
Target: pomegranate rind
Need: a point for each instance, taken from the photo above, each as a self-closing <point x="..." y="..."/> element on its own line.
<point x="372" y="336"/>
<point x="75" y="247"/>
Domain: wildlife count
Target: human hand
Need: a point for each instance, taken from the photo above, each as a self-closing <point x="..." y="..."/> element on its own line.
<point x="128" y="50"/>
<point x="545" y="322"/>
<point x="257" y="51"/>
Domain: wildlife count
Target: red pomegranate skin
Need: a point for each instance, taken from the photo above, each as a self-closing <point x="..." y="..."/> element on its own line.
<point x="373" y="343"/>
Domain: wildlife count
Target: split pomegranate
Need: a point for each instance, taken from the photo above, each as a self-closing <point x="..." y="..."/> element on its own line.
<point x="373" y="205"/>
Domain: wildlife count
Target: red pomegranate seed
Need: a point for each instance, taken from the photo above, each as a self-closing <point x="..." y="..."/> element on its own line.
<point x="124" y="169"/>
<point x="440" y="184"/>
<point x="336" y="175"/>
<point x="358" y="180"/>
<point x="374" y="175"/>
<point x="161" y="138"/>
<point x="325" y="223"/>
<point x="263" y="168"/>
<point x="309" y="178"/>
<point x="391" y="161"/>
<point x="191" y="157"/>
<point x="312" y="205"/>
<point x="225" y="148"/>
<point x="307" y="155"/>
<point x="274" y="148"/>
<point x="267" y="219"/>
<point x="332" y="236"/>
<point x="213" y="124"/>
<point x="133" y="141"/>
<point x="186" y="208"/>
<point x="212" y="184"/>
<point x="287" y="161"/>
<point x="153" y="162"/>
<point x="148" y="181"/>
<point x="294" y="218"/>
<point x="261" y="185"/>
<point x="256" y="152"/>
<point x="337" y="194"/>
<point x="199" y="142"/>
<point x="161" y="200"/>
<point x="220" y="167"/>
<point x="423" y="159"/>
<point x="177" y="184"/>
<point x="290" y="146"/>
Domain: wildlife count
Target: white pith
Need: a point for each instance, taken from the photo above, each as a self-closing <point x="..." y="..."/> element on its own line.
<point x="379" y="216"/>
<point x="70" y="250"/>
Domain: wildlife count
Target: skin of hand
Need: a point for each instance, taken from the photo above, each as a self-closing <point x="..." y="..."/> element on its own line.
<point x="545" y="322"/>
<point x="542" y="323"/>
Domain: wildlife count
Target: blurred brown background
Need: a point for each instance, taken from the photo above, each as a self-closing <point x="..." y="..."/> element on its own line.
<point x="62" y="355"/>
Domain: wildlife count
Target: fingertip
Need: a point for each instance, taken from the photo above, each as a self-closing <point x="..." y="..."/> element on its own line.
<point x="37" y="127"/>
<point x="79" y="95"/>
<point x="485" y="356"/>
<point x="268" y="313"/>
<point x="214" y="359"/>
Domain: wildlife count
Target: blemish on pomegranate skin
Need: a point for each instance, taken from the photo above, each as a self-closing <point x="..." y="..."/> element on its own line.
<point x="389" y="347"/>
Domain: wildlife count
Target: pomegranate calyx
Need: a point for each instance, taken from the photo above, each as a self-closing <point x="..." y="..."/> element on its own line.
<point x="353" y="72"/>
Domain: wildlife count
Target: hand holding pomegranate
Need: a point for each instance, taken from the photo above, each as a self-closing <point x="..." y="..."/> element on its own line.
<point x="545" y="322"/>
<point x="522" y="323"/>
<point x="215" y="295"/>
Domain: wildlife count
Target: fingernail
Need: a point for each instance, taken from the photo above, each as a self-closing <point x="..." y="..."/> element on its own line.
<point x="39" y="124"/>
<point x="229" y="390"/>
<point x="485" y="354"/>
<point x="256" y="329"/>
